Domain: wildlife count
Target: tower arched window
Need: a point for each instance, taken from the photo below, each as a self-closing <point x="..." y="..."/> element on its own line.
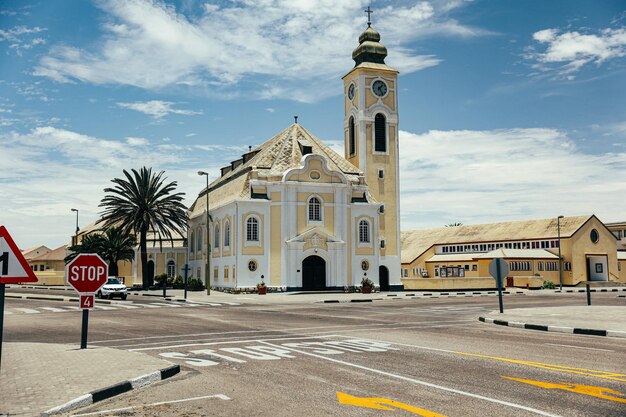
<point x="252" y="230"/>
<point x="192" y="242"/>
<point x="216" y="237"/>
<point x="380" y="133"/>
<point x="315" y="210"/>
<point x="227" y="234"/>
<point x="351" y="138"/>
<point x="364" y="231"/>
<point x="199" y="240"/>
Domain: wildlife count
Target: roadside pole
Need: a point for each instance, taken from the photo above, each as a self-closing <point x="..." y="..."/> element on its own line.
<point x="2" y="288"/>
<point x="499" y="282"/>
<point x="186" y="278"/>
<point x="588" y="293"/>
<point x="498" y="268"/>
<point x="85" y="328"/>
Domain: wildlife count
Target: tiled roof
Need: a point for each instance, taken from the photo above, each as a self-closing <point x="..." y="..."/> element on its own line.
<point x="57" y="254"/>
<point x="416" y="242"/>
<point x="272" y="159"/>
<point x="517" y="254"/>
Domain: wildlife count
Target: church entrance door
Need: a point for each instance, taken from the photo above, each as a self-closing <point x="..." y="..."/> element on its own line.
<point x="313" y="273"/>
<point x="383" y="278"/>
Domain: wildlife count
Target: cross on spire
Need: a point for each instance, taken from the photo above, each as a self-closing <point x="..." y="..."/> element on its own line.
<point x="369" y="12"/>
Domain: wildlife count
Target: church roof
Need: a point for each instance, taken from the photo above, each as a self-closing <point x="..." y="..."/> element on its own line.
<point x="416" y="242"/>
<point x="273" y="158"/>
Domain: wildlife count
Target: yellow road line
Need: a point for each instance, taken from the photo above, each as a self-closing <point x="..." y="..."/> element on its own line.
<point x="383" y="404"/>
<point x="599" y="392"/>
<point x="560" y="368"/>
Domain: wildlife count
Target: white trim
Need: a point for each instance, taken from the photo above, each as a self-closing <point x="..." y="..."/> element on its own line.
<point x="248" y="243"/>
<point x="361" y="244"/>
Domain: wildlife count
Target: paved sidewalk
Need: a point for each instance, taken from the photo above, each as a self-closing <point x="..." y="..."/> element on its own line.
<point x="590" y="320"/>
<point x="36" y="377"/>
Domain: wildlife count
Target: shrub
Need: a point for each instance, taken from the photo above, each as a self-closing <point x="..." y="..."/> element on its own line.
<point x="548" y="285"/>
<point x="160" y="278"/>
<point x="178" y="282"/>
<point x="195" y="284"/>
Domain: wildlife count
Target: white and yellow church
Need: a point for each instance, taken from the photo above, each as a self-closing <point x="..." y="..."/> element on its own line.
<point x="298" y="216"/>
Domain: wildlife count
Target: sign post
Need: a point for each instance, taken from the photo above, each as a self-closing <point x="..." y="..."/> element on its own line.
<point x="86" y="274"/>
<point x="13" y="269"/>
<point x="499" y="269"/>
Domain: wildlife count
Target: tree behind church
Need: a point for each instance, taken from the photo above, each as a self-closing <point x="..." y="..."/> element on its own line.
<point x="141" y="203"/>
<point x="113" y="245"/>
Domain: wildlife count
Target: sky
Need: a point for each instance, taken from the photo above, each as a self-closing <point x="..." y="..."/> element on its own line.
<point x="508" y="110"/>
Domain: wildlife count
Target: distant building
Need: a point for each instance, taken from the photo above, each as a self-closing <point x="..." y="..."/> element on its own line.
<point x="459" y="256"/>
<point x="49" y="266"/>
<point x="619" y="230"/>
<point x="35" y="251"/>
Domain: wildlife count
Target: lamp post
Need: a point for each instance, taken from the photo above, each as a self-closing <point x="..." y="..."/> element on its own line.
<point x="207" y="275"/>
<point x="77" y="229"/>
<point x="558" y="228"/>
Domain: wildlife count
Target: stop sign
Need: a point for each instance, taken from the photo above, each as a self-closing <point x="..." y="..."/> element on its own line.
<point x="87" y="273"/>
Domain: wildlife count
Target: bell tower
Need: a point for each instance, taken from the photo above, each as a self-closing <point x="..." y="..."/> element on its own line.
<point x="371" y="138"/>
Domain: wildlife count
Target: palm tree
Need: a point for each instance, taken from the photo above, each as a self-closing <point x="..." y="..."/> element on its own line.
<point x="115" y="246"/>
<point x="142" y="202"/>
<point x="90" y="243"/>
<point x="455" y="224"/>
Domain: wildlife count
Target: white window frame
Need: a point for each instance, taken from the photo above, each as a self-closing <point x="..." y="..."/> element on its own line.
<point x="259" y="231"/>
<point x="167" y="268"/>
<point x="310" y="222"/>
<point x="361" y="243"/>
<point x="227" y="234"/>
<point x="216" y="236"/>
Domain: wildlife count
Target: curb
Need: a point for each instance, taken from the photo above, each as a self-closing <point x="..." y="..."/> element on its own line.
<point x="113" y="390"/>
<point x="426" y="295"/>
<point x="592" y="290"/>
<point x="559" y="329"/>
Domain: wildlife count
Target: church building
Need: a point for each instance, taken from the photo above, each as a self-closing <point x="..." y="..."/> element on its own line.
<point x="298" y="216"/>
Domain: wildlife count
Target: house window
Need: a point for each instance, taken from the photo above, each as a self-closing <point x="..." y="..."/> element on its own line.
<point x="252" y="266"/>
<point x="351" y="138"/>
<point x="225" y="272"/>
<point x="380" y="133"/>
<point x="171" y="268"/>
<point x="474" y="267"/>
<point x="567" y="266"/>
<point x="364" y="231"/>
<point x="216" y="237"/>
<point x="406" y="273"/>
<point x="315" y="209"/>
<point x="227" y="234"/>
<point x="252" y="230"/>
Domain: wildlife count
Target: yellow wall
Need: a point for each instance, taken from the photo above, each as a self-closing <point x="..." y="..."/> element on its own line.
<point x="275" y="246"/>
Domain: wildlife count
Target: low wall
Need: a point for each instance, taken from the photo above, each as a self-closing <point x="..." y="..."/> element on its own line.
<point x="50" y="278"/>
<point x="483" y="283"/>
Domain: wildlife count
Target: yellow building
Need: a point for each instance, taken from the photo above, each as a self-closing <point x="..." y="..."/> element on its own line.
<point x="297" y="215"/>
<point x="619" y="230"/>
<point x="458" y="257"/>
<point x="49" y="265"/>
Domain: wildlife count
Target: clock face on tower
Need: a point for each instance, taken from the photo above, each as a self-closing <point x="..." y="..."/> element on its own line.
<point x="379" y="88"/>
<point x="351" y="91"/>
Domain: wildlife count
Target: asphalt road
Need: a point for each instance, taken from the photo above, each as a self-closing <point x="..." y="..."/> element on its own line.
<point x="428" y="357"/>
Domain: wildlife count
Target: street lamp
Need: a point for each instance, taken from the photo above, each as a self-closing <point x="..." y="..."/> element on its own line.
<point x="77" y="229"/>
<point x="207" y="275"/>
<point x="558" y="228"/>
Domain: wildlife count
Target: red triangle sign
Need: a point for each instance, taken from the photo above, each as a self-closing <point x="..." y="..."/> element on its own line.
<point x="13" y="266"/>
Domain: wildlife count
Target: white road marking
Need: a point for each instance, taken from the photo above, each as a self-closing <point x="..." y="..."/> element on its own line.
<point x="149" y="306"/>
<point x="26" y="310"/>
<point x="125" y="409"/>
<point x="579" y="347"/>
<point x="166" y="304"/>
<point x="420" y="382"/>
<point x="74" y="308"/>
<point x="54" y="309"/>
<point x="6" y="313"/>
<point x="228" y="342"/>
<point x="126" y="305"/>
<point x="99" y="307"/>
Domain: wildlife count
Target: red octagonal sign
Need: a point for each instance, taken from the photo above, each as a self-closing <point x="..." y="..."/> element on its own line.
<point x="87" y="273"/>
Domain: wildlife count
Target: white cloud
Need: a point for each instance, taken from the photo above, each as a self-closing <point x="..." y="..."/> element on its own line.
<point x="135" y="141"/>
<point x="568" y="52"/>
<point x="152" y="45"/>
<point x="48" y="170"/>
<point x="488" y="176"/>
<point x="20" y="37"/>
<point x="156" y="108"/>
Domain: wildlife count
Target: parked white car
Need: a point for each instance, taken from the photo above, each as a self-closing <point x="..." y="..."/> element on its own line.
<point x="113" y="288"/>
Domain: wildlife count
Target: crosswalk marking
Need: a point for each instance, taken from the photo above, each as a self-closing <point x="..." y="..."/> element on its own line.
<point x="27" y="310"/>
<point x="52" y="309"/>
<point x="129" y="306"/>
<point x="113" y="306"/>
<point x="166" y="305"/>
<point x="99" y="307"/>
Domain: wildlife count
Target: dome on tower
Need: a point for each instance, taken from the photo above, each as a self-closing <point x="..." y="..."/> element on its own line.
<point x="370" y="49"/>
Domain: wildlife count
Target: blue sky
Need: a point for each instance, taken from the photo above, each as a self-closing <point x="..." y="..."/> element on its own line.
<point x="508" y="109"/>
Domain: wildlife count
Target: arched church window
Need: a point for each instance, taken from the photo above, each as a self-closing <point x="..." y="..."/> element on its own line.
<point x="227" y="234"/>
<point x="380" y="133"/>
<point x="364" y="231"/>
<point x="351" y="138"/>
<point x="192" y="242"/>
<point x="252" y="230"/>
<point x="199" y="240"/>
<point x="171" y="268"/>
<point x="315" y="207"/>
<point x="216" y="237"/>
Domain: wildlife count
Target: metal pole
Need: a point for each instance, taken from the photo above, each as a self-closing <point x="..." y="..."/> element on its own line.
<point x="186" y="272"/>
<point x="588" y="294"/>
<point x="208" y="241"/>
<point x="499" y="282"/>
<point x="83" y="333"/>
<point x="558" y="226"/>
<point x="164" y="287"/>
<point x="2" y="289"/>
